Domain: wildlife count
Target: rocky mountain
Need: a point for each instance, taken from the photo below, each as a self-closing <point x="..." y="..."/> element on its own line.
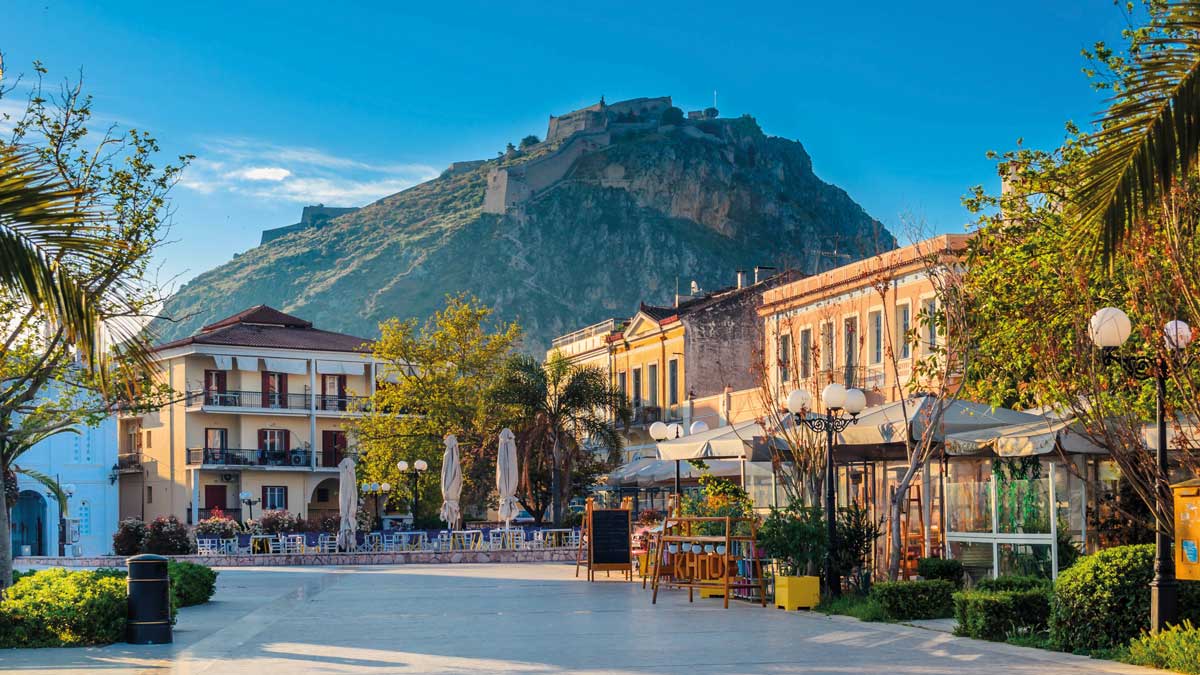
<point x="621" y="203"/>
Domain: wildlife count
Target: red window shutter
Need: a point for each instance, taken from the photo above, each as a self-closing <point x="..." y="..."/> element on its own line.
<point x="287" y="440"/>
<point x="285" y="497"/>
<point x="266" y="389"/>
<point x="262" y="439"/>
<point x="283" y="378"/>
<point x="264" y="498"/>
<point x="341" y="386"/>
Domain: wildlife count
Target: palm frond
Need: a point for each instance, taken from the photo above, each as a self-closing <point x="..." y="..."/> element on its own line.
<point x="49" y="483"/>
<point x="1148" y="137"/>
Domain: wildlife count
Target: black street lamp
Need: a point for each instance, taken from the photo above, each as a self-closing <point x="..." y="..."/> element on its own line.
<point x="418" y="467"/>
<point x="661" y="431"/>
<point x="836" y="399"/>
<point x="1109" y="328"/>
<point x="375" y="490"/>
<point x="249" y="501"/>
<point x="63" y="531"/>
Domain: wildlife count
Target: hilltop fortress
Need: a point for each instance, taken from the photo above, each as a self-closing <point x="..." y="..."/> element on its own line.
<point x="568" y="137"/>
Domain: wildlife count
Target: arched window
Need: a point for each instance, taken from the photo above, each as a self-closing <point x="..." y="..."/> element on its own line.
<point x="84" y="514"/>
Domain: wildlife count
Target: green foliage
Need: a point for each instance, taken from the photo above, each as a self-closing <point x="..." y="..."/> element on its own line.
<point x="1176" y="648"/>
<point x="1013" y="583"/>
<point x="191" y="584"/>
<point x="444" y="370"/>
<point x="165" y="535"/>
<point x="861" y="607"/>
<point x="908" y="600"/>
<point x="718" y="498"/>
<point x="1103" y="601"/>
<point x="278" y="521"/>
<point x="672" y="115"/>
<point x="795" y="537"/>
<point x="529" y="141"/>
<point x="939" y="568"/>
<point x="856" y="536"/>
<point x="61" y="608"/>
<point x="997" y="615"/>
<point x="128" y="538"/>
<point x="218" y="526"/>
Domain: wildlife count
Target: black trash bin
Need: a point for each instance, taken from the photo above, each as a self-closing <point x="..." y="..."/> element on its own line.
<point x="149" y="619"/>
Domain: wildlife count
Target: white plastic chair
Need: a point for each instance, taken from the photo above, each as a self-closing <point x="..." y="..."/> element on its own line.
<point x="276" y="544"/>
<point x="327" y="543"/>
<point x="208" y="547"/>
<point x="294" y="543"/>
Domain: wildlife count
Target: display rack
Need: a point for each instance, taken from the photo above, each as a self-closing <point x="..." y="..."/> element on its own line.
<point x="726" y="563"/>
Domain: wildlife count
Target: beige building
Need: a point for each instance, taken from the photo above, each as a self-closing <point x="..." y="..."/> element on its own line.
<point x="261" y="402"/>
<point x="849" y="324"/>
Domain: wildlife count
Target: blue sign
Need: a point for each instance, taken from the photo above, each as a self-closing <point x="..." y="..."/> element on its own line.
<point x="1189" y="550"/>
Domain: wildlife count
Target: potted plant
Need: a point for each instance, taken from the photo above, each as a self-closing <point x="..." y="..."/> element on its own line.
<point x="795" y="537"/>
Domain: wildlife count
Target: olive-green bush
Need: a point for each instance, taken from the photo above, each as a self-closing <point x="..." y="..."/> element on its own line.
<point x="62" y="608"/>
<point x="939" y="568"/>
<point x="191" y="584"/>
<point x="998" y="615"/>
<point x="1103" y="601"/>
<point x="907" y="600"/>
<point x="1176" y="648"/>
<point x="1014" y="583"/>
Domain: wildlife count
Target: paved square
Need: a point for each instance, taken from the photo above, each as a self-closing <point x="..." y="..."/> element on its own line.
<point x="529" y="619"/>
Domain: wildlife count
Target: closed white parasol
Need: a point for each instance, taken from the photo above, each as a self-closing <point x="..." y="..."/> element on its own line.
<point x="506" y="477"/>
<point x="347" y="505"/>
<point x="451" y="482"/>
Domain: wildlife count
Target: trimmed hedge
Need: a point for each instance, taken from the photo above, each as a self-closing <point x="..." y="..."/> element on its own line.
<point x="938" y="568"/>
<point x="1014" y="583"/>
<point x="997" y="615"/>
<point x="907" y="600"/>
<point x="62" y="608"/>
<point x="1103" y="601"/>
<point x="1176" y="648"/>
<point x="191" y="584"/>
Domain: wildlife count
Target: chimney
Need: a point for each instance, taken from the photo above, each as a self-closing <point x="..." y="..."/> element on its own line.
<point x="741" y="278"/>
<point x="758" y="270"/>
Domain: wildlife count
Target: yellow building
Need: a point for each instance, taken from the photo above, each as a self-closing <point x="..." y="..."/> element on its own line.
<point x="260" y="405"/>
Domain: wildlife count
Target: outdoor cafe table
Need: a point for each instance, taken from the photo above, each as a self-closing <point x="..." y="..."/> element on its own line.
<point x="411" y="541"/>
<point x="466" y="540"/>
<point x="261" y="543"/>
<point x="557" y="538"/>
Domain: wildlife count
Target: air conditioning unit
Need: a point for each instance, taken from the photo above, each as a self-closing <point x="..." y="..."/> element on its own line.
<point x="227" y="477"/>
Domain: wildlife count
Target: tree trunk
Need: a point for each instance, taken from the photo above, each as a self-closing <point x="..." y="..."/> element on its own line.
<point x="894" y="527"/>
<point x="6" y="566"/>
<point x="555" y="485"/>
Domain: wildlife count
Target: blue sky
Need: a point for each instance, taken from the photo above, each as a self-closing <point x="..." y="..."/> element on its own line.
<point x="286" y="104"/>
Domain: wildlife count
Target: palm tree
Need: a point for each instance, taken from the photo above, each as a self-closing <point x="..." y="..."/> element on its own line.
<point x="39" y="224"/>
<point x="1150" y="134"/>
<point x="568" y="402"/>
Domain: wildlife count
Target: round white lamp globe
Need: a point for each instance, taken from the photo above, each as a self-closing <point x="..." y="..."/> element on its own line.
<point x="798" y="401"/>
<point x="658" y="431"/>
<point x="698" y="427"/>
<point x="385" y="487"/>
<point x="244" y="495"/>
<point x="402" y="465"/>
<point x="420" y="465"/>
<point x="856" y="400"/>
<point x="1109" y="327"/>
<point x="674" y="430"/>
<point x="833" y="396"/>
<point x="1177" y="334"/>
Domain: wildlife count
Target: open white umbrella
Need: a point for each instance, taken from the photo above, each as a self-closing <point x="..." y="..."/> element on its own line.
<point x="451" y="482"/>
<point x="347" y="505"/>
<point x="506" y="477"/>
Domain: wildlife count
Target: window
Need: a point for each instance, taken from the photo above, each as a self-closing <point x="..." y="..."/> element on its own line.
<point x="84" y="515"/>
<point x="903" y="325"/>
<point x="875" y="320"/>
<point x="274" y="497"/>
<point x="785" y="357"/>
<point x="148" y="445"/>
<point x="149" y="494"/>
<point x="929" y="323"/>
<point x="637" y="387"/>
<point x="216" y="439"/>
<point x="652" y="383"/>
<point x="215" y="382"/>
<point x="333" y="392"/>
<point x="274" y="390"/>
<point x="76" y="449"/>
<point x="827" y="347"/>
<point x="622" y="385"/>
<point x="322" y="495"/>
<point x="133" y="440"/>
<point x="850" y="343"/>
<point x="673" y="381"/>
<point x="806" y="358"/>
<point x="273" y="440"/>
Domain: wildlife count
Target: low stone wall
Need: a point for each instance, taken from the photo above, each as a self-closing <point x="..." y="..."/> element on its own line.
<point x="398" y="558"/>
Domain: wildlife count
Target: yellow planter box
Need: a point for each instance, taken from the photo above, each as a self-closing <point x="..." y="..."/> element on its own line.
<point x="712" y="591"/>
<point x="797" y="592"/>
<point x="644" y="564"/>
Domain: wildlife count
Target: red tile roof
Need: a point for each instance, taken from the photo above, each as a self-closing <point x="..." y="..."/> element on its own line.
<point x="264" y="326"/>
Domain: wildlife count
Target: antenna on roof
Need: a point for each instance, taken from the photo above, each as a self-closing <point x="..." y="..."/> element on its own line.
<point x="714" y="98"/>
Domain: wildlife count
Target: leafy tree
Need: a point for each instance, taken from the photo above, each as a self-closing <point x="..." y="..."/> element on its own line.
<point x="711" y="113"/>
<point x="529" y="141"/>
<point x="672" y="115"/>
<point x="439" y="374"/>
<point x="563" y="407"/>
<point x="44" y="391"/>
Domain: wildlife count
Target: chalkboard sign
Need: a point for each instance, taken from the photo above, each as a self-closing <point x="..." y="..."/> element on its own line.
<point x="610" y="538"/>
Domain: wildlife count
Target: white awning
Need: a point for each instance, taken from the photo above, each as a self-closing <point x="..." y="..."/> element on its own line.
<point x="744" y="440"/>
<point x="663" y="471"/>
<point x="339" y="368"/>
<point x="247" y="363"/>
<point x="290" y="366"/>
<point x="1023" y="440"/>
<point x="223" y="362"/>
<point x="885" y="424"/>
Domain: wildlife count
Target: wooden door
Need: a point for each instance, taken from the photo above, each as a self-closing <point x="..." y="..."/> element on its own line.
<point x="214" y="496"/>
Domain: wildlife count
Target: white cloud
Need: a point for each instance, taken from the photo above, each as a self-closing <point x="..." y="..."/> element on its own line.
<point x="296" y="174"/>
<point x="269" y="173"/>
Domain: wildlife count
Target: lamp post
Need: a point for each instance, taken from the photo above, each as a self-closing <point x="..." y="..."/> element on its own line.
<point x="661" y="431"/>
<point x="1109" y="328"/>
<point x="248" y="499"/>
<point x="418" y="467"/>
<point x="837" y="399"/>
<point x="375" y="490"/>
<point x="69" y="491"/>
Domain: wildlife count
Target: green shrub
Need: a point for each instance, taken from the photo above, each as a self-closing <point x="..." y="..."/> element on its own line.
<point x="938" y="568"/>
<point x="167" y="536"/>
<point x="62" y="608"/>
<point x="218" y="526"/>
<point x="861" y="607"/>
<point x="128" y="538"/>
<point x="1014" y="583"/>
<point x="191" y="584"/>
<point x="278" y="522"/>
<point x="1176" y="648"/>
<point x="906" y="600"/>
<point x="997" y="615"/>
<point x="1103" y="600"/>
<point x="795" y="537"/>
<point x="672" y="115"/>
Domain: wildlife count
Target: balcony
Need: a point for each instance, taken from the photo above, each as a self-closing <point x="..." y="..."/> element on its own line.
<point x="129" y="462"/>
<point x="644" y="415"/>
<point x="257" y="458"/>
<point x="274" y="401"/>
